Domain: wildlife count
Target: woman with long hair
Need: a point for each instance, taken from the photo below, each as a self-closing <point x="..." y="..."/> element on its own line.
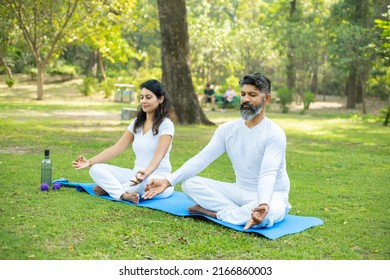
<point x="150" y="134"/>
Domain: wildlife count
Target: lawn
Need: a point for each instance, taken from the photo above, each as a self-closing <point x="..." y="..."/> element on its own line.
<point x="338" y="163"/>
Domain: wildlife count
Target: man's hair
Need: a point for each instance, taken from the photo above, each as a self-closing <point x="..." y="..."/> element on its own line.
<point x="258" y="80"/>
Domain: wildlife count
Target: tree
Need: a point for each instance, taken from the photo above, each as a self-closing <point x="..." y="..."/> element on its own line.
<point x="176" y="74"/>
<point x="43" y="25"/>
<point x="351" y="46"/>
<point x="103" y="32"/>
<point x="7" y="25"/>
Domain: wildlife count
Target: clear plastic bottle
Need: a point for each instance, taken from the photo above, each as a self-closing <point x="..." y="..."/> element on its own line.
<point x="46" y="169"/>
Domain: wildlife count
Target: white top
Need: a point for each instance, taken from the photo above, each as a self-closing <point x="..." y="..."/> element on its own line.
<point x="145" y="145"/>
<point x="230" y="94"/>
<point x="257" y="155"/>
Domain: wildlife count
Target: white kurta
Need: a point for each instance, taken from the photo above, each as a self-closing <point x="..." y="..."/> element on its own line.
<point x="116" y="180"/>
<point x="258" y="158"/>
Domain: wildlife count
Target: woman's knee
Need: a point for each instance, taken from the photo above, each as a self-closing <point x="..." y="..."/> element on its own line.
<point x="95" y="169"/>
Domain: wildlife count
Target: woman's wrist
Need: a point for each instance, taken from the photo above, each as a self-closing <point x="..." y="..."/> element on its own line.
<point x="167" y="184"/>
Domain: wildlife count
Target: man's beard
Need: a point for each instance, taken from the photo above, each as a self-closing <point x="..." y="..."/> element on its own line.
<point x="251" y="112"/>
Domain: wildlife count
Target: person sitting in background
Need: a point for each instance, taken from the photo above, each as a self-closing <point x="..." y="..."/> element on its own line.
<point x="209" y="95"/>
<point x="228" y="96"/>
<point x="150" y="134"/>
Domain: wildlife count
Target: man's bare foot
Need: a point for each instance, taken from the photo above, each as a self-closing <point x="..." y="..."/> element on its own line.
<point x="132" y="197"/>
<point x="197" y="209"/>
<point x="99" y="191"/>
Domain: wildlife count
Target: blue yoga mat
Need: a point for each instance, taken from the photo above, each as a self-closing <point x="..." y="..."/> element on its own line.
<point x="178" y="203"/>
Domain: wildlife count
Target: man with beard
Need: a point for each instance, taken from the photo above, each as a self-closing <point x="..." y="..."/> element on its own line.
<point x="256" y="147"/>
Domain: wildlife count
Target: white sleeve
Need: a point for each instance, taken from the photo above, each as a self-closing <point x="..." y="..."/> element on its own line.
<point x="131" y="126"/>
<point x="167" y="127"/>
<point x="214" y="149"/>
<point x="273" y="157"/>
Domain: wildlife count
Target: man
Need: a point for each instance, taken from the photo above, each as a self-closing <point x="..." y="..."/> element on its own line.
<point x="256" y="147"/>
<point x="209" y="95"/>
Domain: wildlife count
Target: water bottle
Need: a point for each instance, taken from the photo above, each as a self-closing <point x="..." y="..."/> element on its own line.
<point x="46" y="169"/>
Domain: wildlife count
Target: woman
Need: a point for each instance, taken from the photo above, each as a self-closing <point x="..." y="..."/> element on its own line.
<point x="150" y="134"/>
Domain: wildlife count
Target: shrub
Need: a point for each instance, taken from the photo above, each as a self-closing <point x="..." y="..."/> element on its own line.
<point x="32" y="71"/>
<point x="89" y="86"/>
<point x="285" y="98"/>
<point x="9" y="82"/>
<point x="64" y="70"/>
<point x="308" y="98"/>
<point x="108" y="87"/>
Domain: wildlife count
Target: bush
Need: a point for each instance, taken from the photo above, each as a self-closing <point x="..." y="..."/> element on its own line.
<point x="64" y="70"/>
<point x="308" y="98"/>
<point x="108" y="87"/>
<point x="9" y="82"/>
<point x="285" y="98"/>
<point x="89" y="86"/>
<point x="32" y="71"/>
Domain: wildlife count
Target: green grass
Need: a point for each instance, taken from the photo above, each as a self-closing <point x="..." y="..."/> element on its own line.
<point x="338" y="165"/>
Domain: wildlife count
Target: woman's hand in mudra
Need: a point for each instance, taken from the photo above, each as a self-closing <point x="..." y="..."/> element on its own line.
<point x="140" y="175"/>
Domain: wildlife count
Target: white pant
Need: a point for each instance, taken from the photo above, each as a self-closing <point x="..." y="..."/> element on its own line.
<point x="115" y="180"/>
<point x="233" y="203"/>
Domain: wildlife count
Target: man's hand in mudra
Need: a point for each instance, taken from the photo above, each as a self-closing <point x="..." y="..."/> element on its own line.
<point x="257" y="216"/>
<point x="155" y="187"/>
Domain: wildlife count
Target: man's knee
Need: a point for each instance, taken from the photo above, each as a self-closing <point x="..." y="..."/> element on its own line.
<point x="190" y="184"/>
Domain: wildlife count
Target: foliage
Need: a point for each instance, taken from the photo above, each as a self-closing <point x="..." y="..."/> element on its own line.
<point x="32" y="71"/>
<point x="108" y="87"/>
<point x="285" y="97"/>
<point x="386" y="115"/>
<point x="384" y="26"/>
<point x="308" y="98"/>
<point x="89" y="86"/>
<point x="9" y="82"/>
<point x="226" y="38"/>
<point x="64" y="70"/>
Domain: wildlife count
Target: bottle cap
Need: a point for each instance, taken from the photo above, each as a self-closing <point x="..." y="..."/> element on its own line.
<point x="47" y="152"/>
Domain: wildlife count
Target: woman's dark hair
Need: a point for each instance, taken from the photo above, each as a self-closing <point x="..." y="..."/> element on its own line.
<point x="162" y="111"/>
<point x="258" y="80"/>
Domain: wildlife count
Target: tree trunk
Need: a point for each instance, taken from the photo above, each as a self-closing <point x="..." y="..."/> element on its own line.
<point x="363" y="90"/>
<point x="101" y="67"/>
<point x="40" y="80"/>
<point x="387" y="117"/>
<point x="359" y="91"/>
<point x="351" y="90"/>
<point x="93" y="64"/>
<point x="176" y="74"/>
<point x="7" y="68"/>
<point x="314" y="81"/>
<point x="290" y="53"/>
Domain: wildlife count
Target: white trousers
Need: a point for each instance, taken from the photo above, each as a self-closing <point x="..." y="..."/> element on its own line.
<point x="233" y="203"/>
<point x="115" y="180"/>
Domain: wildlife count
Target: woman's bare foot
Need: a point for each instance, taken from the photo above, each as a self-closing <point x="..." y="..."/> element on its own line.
<point x="99" y="191"/>
<point x="197" y="209"/>
<point x="132" y="197"/>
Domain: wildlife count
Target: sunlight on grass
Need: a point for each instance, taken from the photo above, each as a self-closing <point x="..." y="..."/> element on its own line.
<point x="338" y="167"/>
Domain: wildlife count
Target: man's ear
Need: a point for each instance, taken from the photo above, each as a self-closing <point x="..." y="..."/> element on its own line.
<point x="268" y="98"/>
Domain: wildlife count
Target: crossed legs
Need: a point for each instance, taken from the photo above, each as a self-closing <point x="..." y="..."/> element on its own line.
<point x="230" y="202"/>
